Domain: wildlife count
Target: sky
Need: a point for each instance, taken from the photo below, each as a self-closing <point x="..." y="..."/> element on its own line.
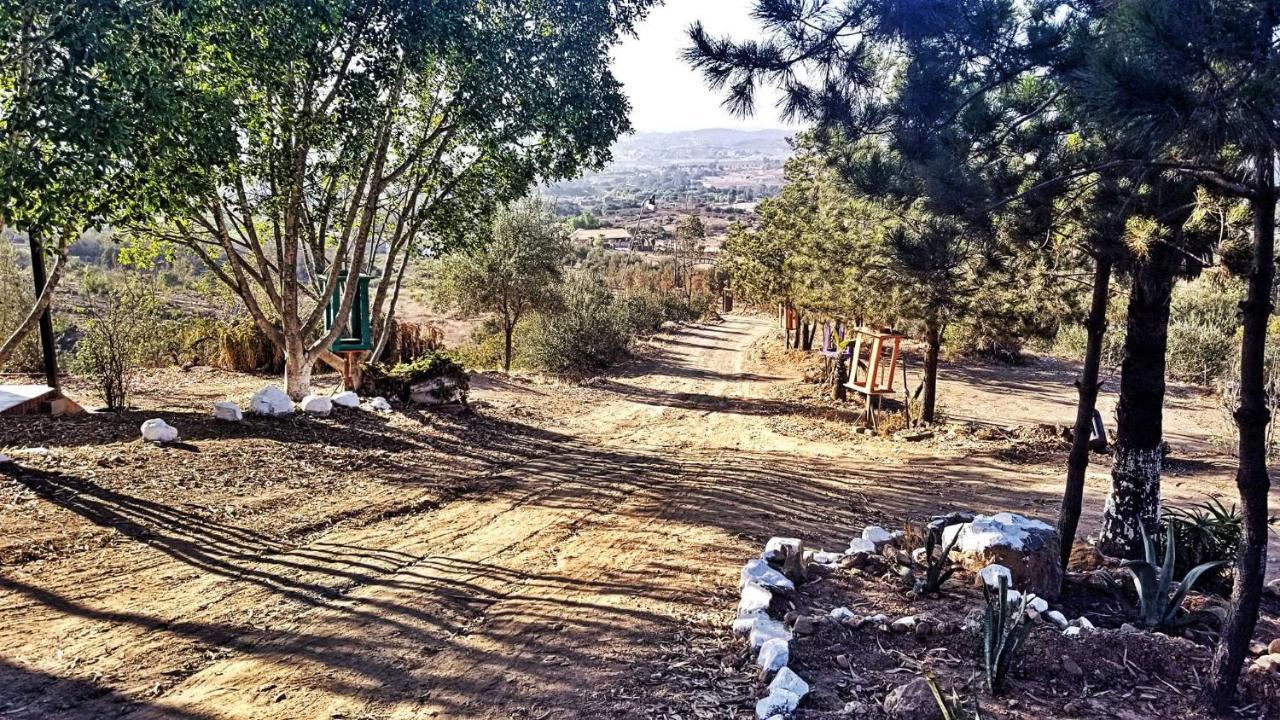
<point x="666" y="94"/>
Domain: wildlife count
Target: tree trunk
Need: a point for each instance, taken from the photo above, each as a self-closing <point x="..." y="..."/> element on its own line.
<point x="507" y="330"/>
<point x="297" y="369"/>
<point x="1134" y="502"/>
<point x="1087" y="388"/>
<point x="933" y="347"/>
<point x="1252" y="417"/>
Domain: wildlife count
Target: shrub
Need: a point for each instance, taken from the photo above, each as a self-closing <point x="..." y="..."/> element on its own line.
<point x="1199" y="351"/>
<point x="119" y="336"/>
<point x="1204" y="532"/>
<point x="397" y="381"/>
<point x="243" y="347"/>
<point x="590" y="333"/>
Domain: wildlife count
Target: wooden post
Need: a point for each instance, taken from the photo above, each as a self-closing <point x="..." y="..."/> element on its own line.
<point x="46" y="318"/>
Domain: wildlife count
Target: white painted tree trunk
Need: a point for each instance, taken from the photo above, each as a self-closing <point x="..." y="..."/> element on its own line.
<point x="1134" y="502"/>
<point x="297" y="372"/>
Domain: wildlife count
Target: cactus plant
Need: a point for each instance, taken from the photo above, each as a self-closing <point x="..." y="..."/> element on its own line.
<point x="1004" y="630"/>
<point x="937" y="567"/>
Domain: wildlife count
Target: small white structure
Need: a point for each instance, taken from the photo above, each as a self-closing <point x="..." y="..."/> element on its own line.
<point x="318" y="405"/>
<point x="347" y="399"/>
<point x="380" y="404"/>
<point x="271" y="401"/>
<point x="227" y="411"/>
<point x="159" y="431"/>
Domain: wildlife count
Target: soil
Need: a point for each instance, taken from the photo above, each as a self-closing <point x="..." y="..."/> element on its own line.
<point x="554" y="551"/>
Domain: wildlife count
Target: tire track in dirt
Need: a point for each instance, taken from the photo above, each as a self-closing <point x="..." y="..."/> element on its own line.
<point x="554" y="564"/>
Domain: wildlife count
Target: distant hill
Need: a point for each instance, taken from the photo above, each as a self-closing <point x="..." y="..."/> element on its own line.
<point x="648" y="149"/>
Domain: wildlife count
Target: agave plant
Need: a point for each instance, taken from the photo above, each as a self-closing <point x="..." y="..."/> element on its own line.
<point x="937" y="567"/>
<point x="1004" y="630"/>
<point x="1205" y="531"/>
<point x="1157" y="608"/>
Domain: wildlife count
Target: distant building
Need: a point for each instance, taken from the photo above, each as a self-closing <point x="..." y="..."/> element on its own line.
<point x="613" y="238"/>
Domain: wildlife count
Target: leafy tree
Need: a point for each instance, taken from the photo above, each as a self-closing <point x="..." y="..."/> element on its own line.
<point x="688" y="247"/>
<point x="515" y="269"/>
<point x="380" y="130"/>
<point x="99" y="122"/>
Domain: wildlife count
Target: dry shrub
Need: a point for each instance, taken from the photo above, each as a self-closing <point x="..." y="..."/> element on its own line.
<point x="408" y="341"/>
<point x="243" y="347"/>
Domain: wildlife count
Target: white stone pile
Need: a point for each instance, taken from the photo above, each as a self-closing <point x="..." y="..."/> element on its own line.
<point x="1037" y="607"/>
<point x="757" y="584"/>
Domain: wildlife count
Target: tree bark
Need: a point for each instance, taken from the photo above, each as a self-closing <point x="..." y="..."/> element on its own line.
<point x="298" y="365"/>
<point x="1252" y="418"/>
<point x="1087" y="389"/>
<point x="933" y="348"/>
<point x="1134" y="501"/>
<point x="42" y="304"/>
<point x="507" y="329"/>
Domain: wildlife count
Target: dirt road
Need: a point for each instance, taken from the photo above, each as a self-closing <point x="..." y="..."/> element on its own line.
<point x="533" y="588"/>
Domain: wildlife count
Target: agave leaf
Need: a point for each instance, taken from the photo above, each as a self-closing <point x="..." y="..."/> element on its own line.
<point x="1145" y="581"/>
<point x="1148" y="544"/>
<point x="1188" y="582"/>
<point x="1165" y="575"/>
<point x="939" y="698"/>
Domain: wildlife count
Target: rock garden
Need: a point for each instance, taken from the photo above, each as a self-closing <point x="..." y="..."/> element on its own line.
<point x="965" y="616"/>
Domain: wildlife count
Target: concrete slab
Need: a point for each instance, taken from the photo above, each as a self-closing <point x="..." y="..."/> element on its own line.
<point x="23" y="399"/>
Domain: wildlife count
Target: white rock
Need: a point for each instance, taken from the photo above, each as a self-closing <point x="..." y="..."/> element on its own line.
<point x="778" y="703"/>
<point x="758" y="571"/>
<point x="5" y="459"/>
<point x="779" y="547"/>
<point x="742" y="625"/>
<point x="1015" y="597"/>
<point x="841" y="614"/>
<point x="227" y="411"/>
<point x="789" y="681"/>
<point x="764" y="629"/>
<point x="878" y="619"/>
<point x="823" y="557"/>
<point x="157" y="430"/>
<point x="859" y="546"/>
<point x="755" y="600"/>
<point x="1057" y="618"/>
<point x="1072" y="631"/>
<point x="346" y="399"/>
<point x="318" y="405"/>
<point x="919" y="555"/>
<point x="1083" y="623"/>
<point x="991" y="575"/>
<point x="1038" y="604"/>
<point x="877" y="535"/>
<point x="774" y="655"/>
<point x="37" y="451"/>
<point x="271" y="401"/>
<point x="903" y="624"/>
<point x="380" y="404"/>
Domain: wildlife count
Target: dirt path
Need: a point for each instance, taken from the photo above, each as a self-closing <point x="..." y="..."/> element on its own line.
<point x="533" y="589"/>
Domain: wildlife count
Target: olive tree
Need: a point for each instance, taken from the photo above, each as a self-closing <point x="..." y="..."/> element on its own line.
<point x="515" y="268"/>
